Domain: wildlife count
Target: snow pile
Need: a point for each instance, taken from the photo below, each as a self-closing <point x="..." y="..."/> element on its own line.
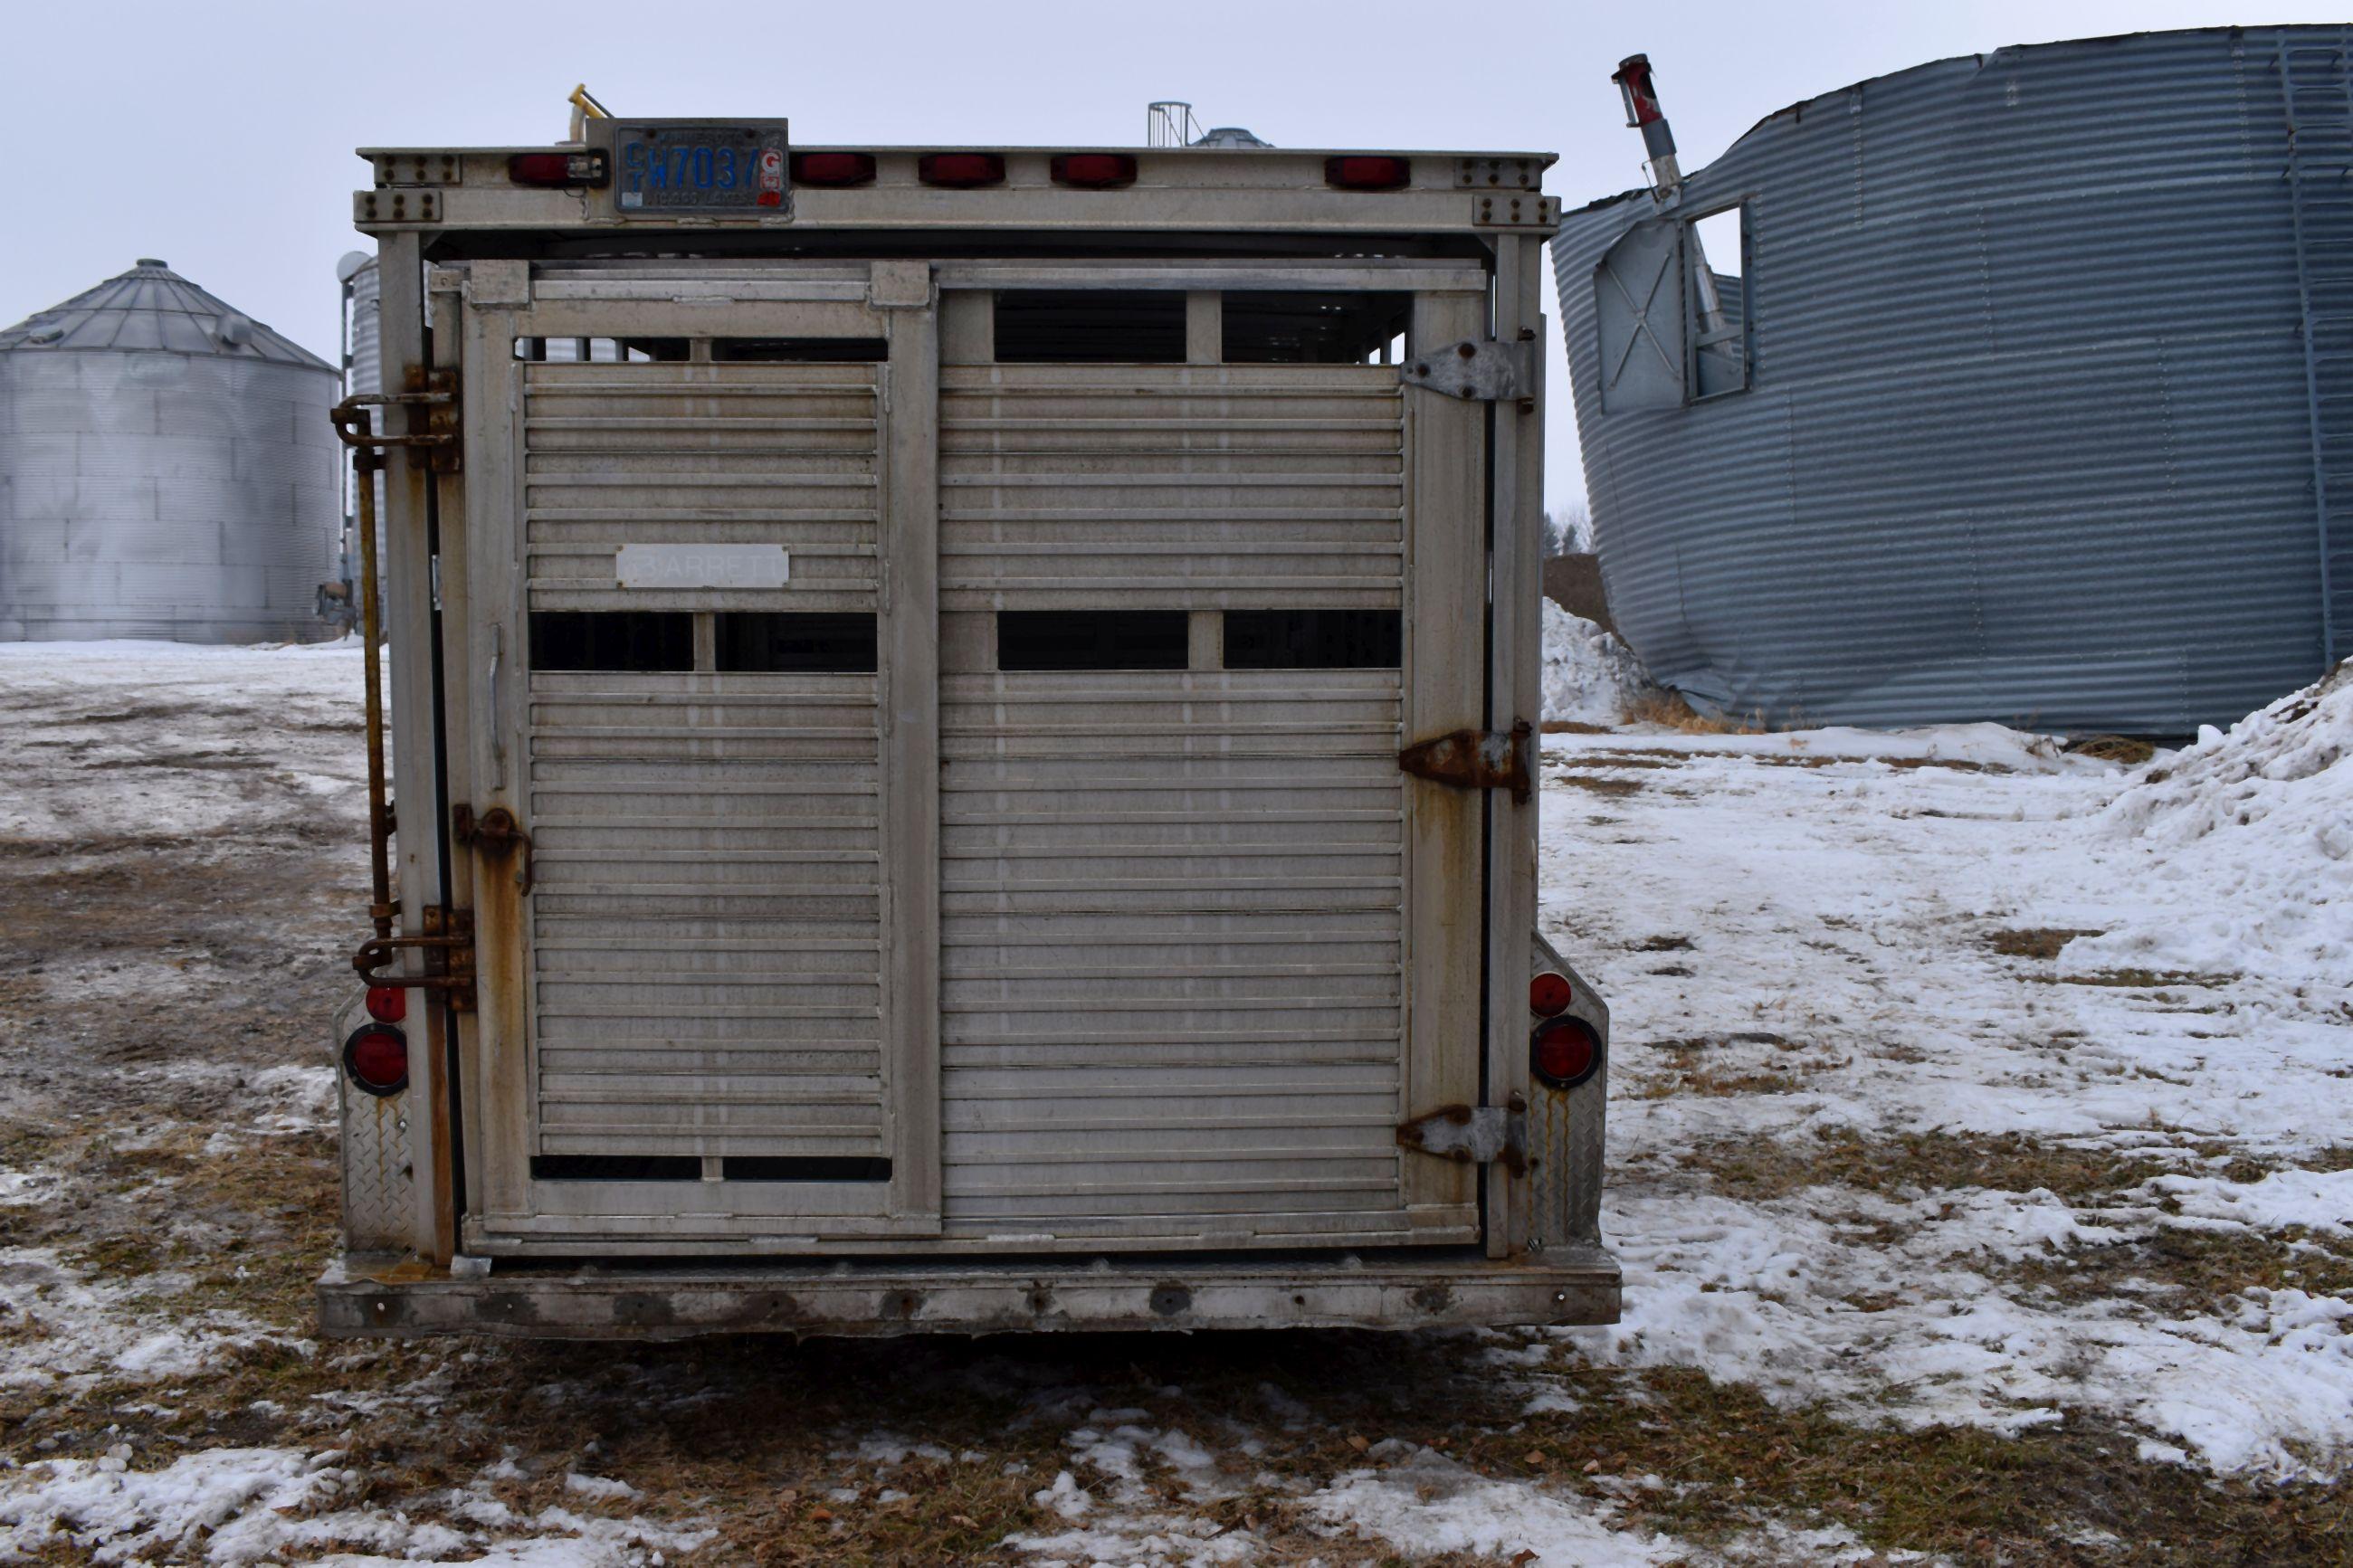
<point x="2250" y="837"/>
<point x="1590" y="677"/>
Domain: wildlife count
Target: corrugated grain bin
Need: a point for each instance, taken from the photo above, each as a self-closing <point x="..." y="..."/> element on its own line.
<point x="166" y="470"/>
<point x="2029" y="396"/>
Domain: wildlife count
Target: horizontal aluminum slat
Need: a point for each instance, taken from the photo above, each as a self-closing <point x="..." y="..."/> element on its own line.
<point x="707" y="919"/>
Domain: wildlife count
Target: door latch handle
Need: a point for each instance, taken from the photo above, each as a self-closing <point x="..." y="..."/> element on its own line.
<point x="497" y="835"/>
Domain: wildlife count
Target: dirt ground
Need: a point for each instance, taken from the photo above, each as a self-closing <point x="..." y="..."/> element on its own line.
<point x="182" y="879"/>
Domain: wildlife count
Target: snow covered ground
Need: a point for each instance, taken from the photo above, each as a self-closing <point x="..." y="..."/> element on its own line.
<point x="2153" y="968"/>
<point x="1978" y="1111"/>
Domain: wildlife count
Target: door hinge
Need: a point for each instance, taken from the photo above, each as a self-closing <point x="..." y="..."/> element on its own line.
<point x="1475" y="759"/>
<point x="1469" y="1134"/>
<point x="446" y="944"/>
<point x="1476" y="370"/>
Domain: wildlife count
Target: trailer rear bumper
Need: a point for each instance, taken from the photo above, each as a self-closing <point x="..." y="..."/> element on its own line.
<point x="363" y="1297"/>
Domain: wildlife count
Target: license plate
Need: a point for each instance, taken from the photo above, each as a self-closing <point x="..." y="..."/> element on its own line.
<point x="689" y="168"/>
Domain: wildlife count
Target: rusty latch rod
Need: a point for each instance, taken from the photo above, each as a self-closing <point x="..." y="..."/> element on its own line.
<point x="448" y="945"/>
<point x="496" y="833"/>
<point x="1475" y="759"/>
<point x="355" y="429"/>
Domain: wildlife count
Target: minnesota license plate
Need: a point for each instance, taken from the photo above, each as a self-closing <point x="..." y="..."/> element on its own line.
<point x="674" y="167"/>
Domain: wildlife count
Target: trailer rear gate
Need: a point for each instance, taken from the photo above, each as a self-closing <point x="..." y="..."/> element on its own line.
<point x="843" y="929"/>
<point x="962" y="747"/>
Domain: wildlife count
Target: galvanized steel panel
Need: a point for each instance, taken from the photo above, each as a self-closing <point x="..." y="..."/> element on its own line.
<point x="2031" y="435"/>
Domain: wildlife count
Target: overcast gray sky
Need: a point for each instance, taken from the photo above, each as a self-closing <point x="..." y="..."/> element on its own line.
<point x="219" y="136"/>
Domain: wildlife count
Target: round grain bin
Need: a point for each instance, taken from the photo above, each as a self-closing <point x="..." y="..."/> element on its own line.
<point x="2016" y="386"/>
<point x="166" y="470"/>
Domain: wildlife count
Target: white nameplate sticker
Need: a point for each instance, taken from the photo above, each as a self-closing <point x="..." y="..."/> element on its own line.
<point x="702" y="566"/>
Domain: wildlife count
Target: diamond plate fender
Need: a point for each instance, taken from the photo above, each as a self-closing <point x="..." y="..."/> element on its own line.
<point x="379" y="1198"/>
<point x="1565" y="1127"/>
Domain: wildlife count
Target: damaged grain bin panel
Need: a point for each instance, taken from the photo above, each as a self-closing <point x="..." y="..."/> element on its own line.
<point x="2016" y="386"/>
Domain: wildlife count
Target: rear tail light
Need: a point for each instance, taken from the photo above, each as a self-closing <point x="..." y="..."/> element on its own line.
<point x="1564" y="1052"/>
<point x="833" y="169"/>
<point x="1548" y="995"/>
<point x="960" y="171"/>
<point x="1094" y="170"/>
<point x="557" y="169"/>
<point x="388" y="1003"/>
<point x="1362" y="172"/>
<point x="376" y="1058"/>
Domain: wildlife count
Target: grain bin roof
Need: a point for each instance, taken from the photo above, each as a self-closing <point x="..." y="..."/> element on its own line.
<point x="152" y="307"/>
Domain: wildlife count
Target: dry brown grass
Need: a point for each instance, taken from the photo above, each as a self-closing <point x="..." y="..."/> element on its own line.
<point x="1909" y="1163"/>
<point x="1594" y="784"/>
<point x="1668" y="710"/>
<point x="2038" y="942"/>
<point x="2196" y="1270"/>
<point x="2135" y="979"/>
<point x="2122" y="748"/>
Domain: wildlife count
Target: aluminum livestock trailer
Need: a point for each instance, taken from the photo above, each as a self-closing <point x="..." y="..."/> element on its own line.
<point x="961" y="744"/>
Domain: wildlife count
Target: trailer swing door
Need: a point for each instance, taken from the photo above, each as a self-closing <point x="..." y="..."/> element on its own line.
<point x="1206" y="568"/>
<point x="700" y="519"/>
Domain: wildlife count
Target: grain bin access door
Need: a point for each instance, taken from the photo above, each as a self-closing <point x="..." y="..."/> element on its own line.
<point x="1638" y="313"/>
<point x="961" y="773"/>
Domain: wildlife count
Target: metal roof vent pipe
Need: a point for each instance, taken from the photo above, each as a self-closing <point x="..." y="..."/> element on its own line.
<point x="1644" y="113"/>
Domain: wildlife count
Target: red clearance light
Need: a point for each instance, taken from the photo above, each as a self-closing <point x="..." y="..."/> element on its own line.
<point x="833" y="169"/>
<point x="1564" y="1052"/>
<point x="1356" y="171"/>
<point x="388" y="1003"/>
<point x="558" y="169"/>
<point x="1548" y="995"/>
<point x="1094" y="170"/>
<point x="960" y="171"/>
<point x="376" y="1058"/>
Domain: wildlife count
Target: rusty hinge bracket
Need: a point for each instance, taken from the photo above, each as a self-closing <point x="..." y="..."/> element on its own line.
<point x="496" y="833"/>
<point x="446" y="944"/>
<point x="1476" y="370"/>
<point x="1475" y="759"/>
<point x="1469" y="1134"/>
<point x="433" y="424"/>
